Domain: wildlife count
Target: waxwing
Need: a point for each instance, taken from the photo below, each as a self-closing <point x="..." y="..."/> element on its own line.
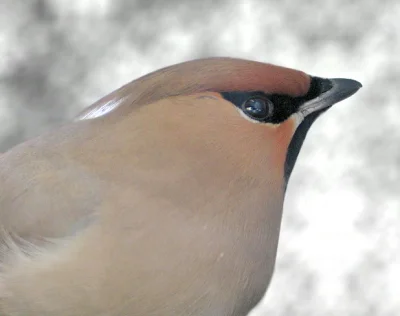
<point x="163" y="198"/>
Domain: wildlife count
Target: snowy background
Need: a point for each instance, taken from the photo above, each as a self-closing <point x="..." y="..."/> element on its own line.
<point x="339" y="252"/>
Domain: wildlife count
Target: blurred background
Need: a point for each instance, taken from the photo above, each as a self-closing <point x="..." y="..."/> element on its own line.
<point x="339" y="251"/>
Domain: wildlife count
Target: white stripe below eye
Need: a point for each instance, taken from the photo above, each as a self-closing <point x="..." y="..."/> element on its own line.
<point x="248" y="118"/>
<point x="298" y="118"/>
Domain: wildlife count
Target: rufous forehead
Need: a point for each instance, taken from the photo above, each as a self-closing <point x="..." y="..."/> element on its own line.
<point x="202" y="75"/>
<point x="228" y="74"/>
<point x="253" y="76"/>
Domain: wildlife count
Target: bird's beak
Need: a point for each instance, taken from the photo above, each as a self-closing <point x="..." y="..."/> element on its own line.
<point x="331" y="91"/>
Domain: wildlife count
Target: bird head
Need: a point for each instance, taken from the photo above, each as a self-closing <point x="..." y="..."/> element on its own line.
<point x="175" y="182"/>
<point x="224" y="113"/>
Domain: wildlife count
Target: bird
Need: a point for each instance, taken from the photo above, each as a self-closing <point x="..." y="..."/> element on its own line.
<point x="164" y="197"/>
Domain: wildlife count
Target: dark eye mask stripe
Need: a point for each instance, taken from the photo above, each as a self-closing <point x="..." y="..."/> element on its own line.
<point x="284" y="105"/>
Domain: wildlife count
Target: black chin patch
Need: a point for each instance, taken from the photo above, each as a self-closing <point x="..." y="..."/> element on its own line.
<point x="284" y="107"/>
<point x="317" y="87"/>
<point x="297" y="142"/>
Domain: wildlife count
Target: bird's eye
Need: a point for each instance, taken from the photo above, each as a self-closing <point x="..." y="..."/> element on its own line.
<point x="258" y="108"/>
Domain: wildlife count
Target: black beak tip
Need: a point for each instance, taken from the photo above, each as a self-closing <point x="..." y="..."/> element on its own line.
<point x="345" y="87"/>
<point x="348" y="83"/>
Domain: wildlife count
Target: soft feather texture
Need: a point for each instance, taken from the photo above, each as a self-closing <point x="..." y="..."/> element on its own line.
<point x="210" y="74"/>
<point x="172" y="207"/>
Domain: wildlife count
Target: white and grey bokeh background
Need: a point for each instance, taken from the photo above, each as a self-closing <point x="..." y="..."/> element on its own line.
<point x="339" y="252"/>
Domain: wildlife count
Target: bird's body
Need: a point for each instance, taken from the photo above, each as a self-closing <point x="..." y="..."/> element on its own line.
<point x="168" y="202"/>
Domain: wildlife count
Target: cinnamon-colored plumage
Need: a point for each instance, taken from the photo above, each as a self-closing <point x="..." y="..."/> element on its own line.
<point x="163" y="198"/>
